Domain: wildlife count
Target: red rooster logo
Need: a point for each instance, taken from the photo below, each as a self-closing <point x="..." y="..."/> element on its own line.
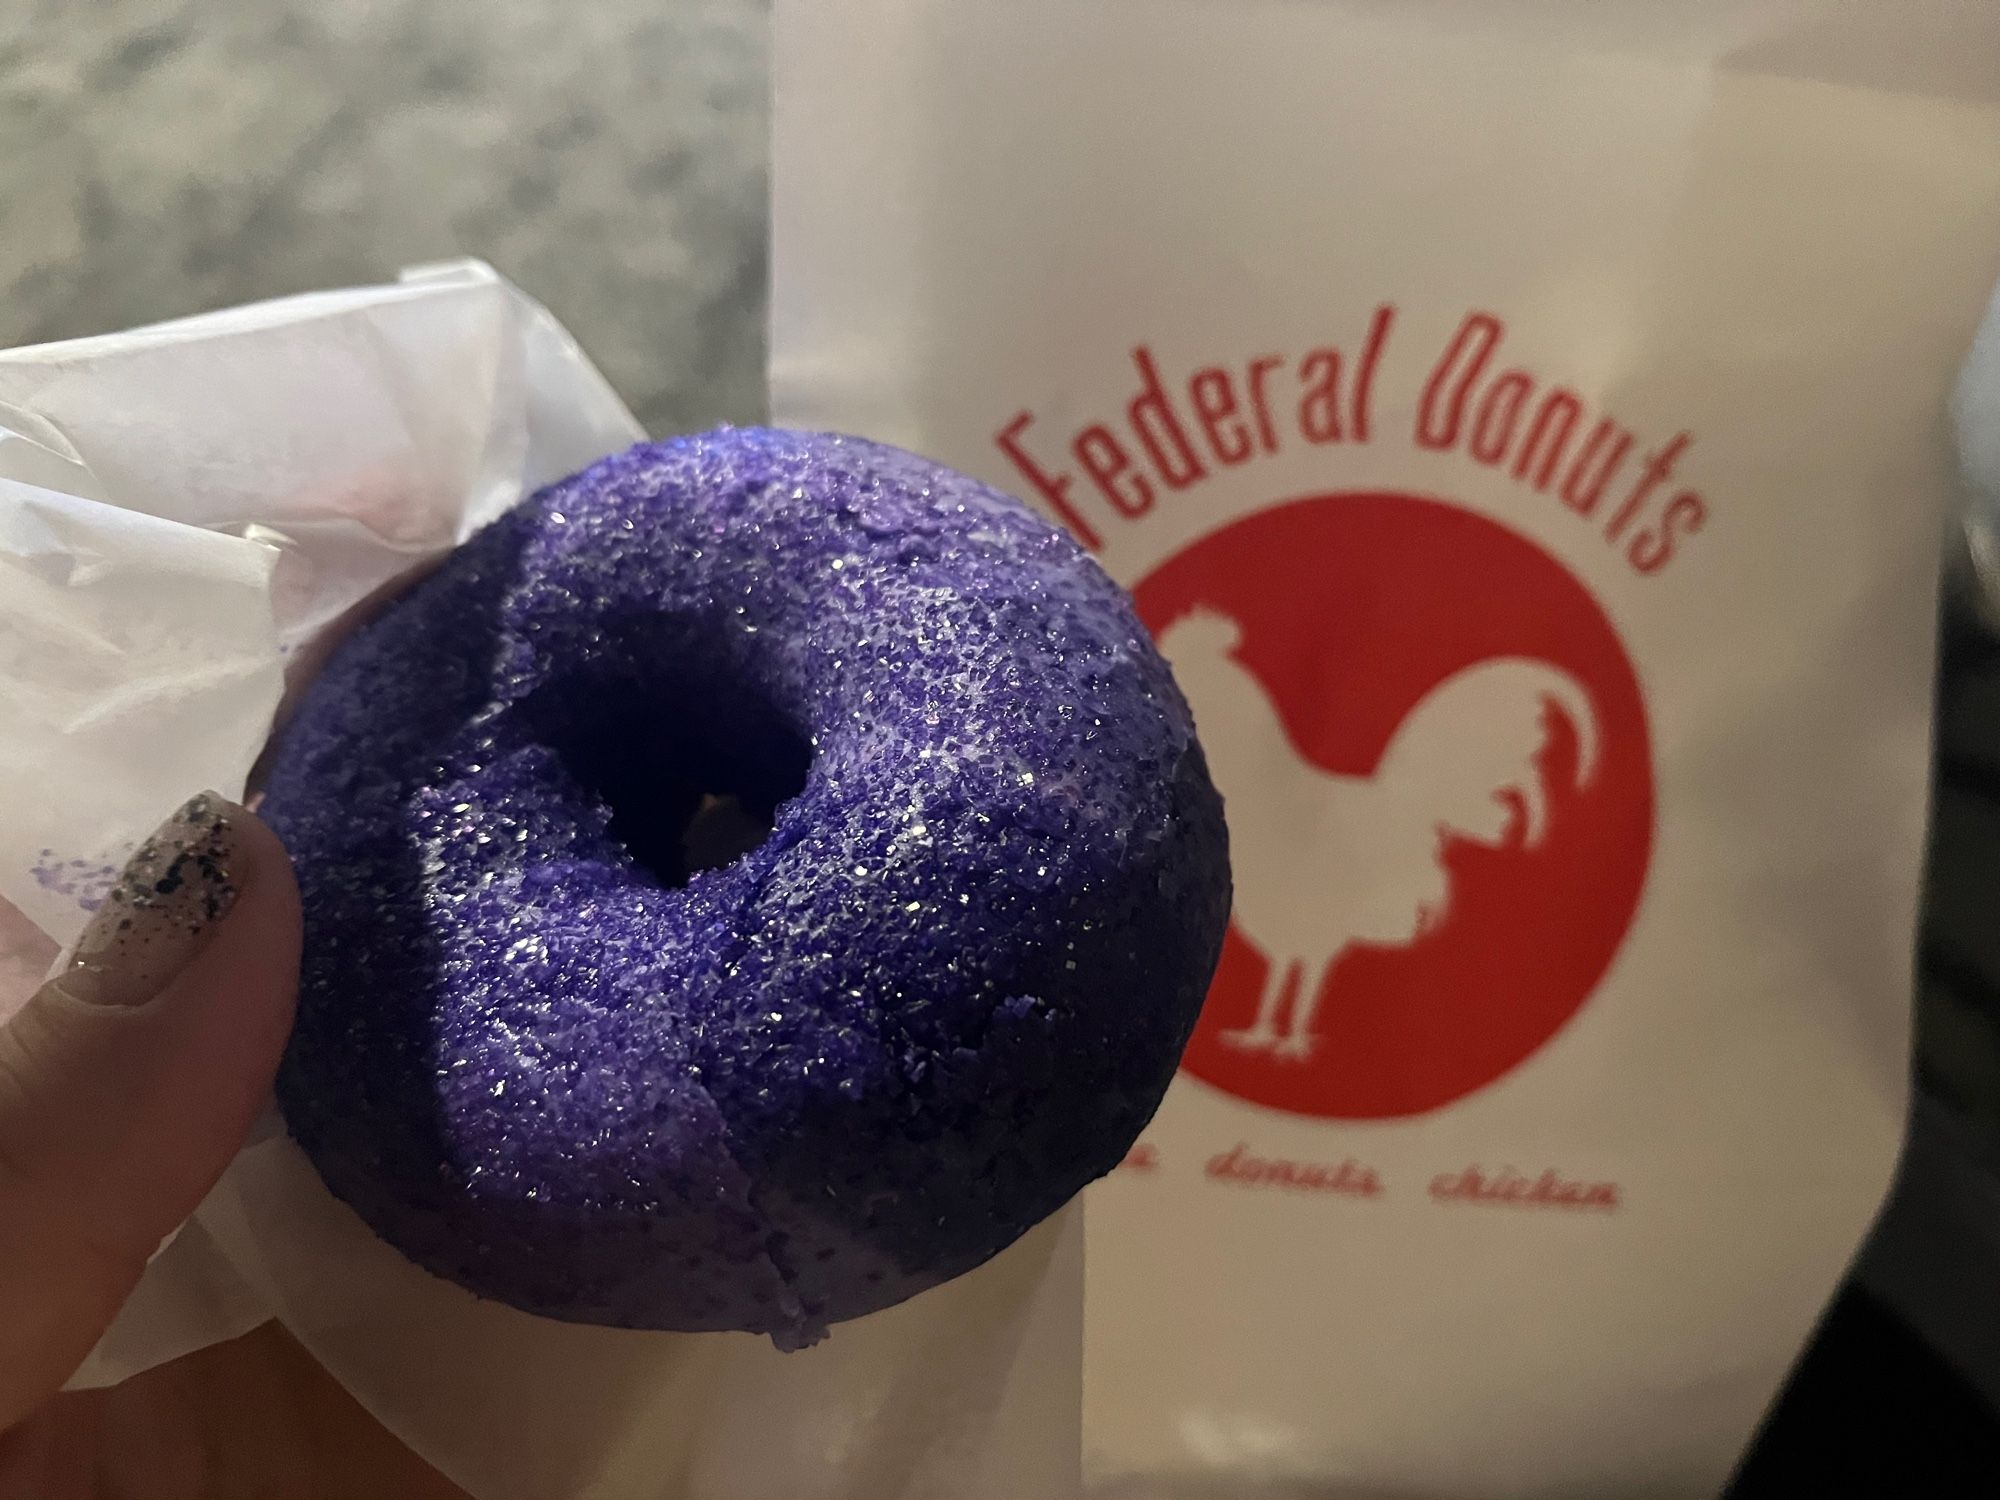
<point x="1470" y="761"/>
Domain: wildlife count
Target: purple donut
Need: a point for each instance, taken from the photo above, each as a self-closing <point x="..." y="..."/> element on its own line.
<point x="551" y="1054"/>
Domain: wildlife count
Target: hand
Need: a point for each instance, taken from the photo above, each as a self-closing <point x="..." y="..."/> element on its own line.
<point x="127" y="1084"/>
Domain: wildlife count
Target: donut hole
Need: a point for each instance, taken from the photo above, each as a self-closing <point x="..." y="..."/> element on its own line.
<point x="700" y="815"/>
<point x="692" y="771"/>
<point x="724" y="828"/>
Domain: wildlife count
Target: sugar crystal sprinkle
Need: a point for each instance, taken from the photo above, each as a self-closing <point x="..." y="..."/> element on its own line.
<point x="621" y="930"/>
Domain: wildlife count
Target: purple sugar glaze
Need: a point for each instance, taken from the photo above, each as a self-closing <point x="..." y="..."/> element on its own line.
<point x="945" y="992"/>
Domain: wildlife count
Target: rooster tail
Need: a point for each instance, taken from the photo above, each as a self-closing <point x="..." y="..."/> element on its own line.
<point x="1572" y="700"/>
<point x="1556" y="692"/>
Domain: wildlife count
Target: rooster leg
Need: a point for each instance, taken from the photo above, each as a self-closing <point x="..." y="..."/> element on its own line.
<point x="1261" y="1035"/>
<point x="1299" y="1039"/>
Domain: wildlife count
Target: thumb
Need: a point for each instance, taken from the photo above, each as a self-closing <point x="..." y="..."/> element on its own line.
<point x="128" y="1082"/>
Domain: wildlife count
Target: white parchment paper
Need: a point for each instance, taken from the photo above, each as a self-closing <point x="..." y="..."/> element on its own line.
<point x="188" y="514"/>
<point x="186" y="509"/>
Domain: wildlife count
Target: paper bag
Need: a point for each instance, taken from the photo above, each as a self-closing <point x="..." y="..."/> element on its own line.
<point x="1523" y="427"/>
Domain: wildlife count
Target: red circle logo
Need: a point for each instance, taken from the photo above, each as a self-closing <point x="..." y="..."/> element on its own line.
<point x="1433" y="753"/>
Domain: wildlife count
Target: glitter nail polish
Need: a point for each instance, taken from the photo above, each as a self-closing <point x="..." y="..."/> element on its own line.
<point x="168" y="899"/>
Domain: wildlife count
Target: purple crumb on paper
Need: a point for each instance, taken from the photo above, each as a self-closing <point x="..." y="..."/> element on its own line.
<point x="84" y="881"/>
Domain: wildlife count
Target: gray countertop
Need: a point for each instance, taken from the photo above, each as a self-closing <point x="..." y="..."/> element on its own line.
<point x="161" y="157"/>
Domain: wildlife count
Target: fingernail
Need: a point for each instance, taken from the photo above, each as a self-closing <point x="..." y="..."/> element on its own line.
<point x="169" y="897"/>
